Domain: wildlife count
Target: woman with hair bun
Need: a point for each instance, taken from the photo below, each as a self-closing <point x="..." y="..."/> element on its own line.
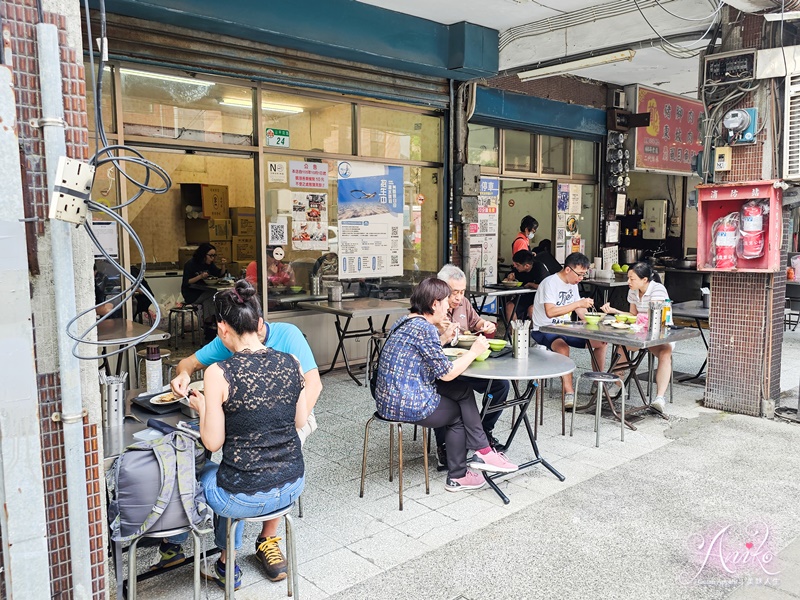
<point x="645" y="286"/>
<point x="252" y="405"/>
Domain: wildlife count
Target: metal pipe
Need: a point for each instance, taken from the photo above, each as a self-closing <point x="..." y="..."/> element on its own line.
<point x="64" y="292"/>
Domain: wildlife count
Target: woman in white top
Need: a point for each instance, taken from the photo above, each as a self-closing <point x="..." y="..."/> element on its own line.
<point x="645" y="286"/>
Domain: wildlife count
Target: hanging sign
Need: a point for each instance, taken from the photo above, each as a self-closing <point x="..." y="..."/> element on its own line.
<point x="278" y="137"/>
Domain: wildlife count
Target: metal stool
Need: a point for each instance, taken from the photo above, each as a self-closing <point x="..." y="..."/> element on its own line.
<point x="177" y="322"/>
<point x="197" y="545"/>
<point x="142" y="356"/>
<point x="602" y="378"/>
<point x="291" y="556"/>
<point x="391" y="424"/>
<point x="374" y="347"/>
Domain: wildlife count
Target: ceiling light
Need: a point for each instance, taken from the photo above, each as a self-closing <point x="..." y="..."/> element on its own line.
<point x="592" y="61"/>
<point x="783" y="16"/>
<point x="268" y="106"/>
<point x="162" y="77"/>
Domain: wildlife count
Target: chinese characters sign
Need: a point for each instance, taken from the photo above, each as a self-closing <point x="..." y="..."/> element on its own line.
<point x="672" y="139"/>
<point x="308" y="175"/>
<point x="370" y="211"/>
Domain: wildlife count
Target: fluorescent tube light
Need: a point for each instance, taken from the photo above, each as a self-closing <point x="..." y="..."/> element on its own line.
<point x="592" y="61"/>
<point x="269" y="106"/>
<point x="785" y="16"/>
<point x="162" y="77"/>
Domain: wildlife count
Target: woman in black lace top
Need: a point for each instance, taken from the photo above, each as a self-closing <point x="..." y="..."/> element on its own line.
<point x="253" y="405"/>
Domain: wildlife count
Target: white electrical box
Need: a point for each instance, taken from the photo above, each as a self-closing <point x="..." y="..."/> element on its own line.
<point x="655" y="220"/>
<point x="71" y="191"/>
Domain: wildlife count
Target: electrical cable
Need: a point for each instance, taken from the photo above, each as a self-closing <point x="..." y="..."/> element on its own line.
<point x="674" y="50"/>
<point x="711" y="16"/>
<point x="115" y="155"/>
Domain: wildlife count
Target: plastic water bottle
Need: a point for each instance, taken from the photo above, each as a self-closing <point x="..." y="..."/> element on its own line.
<point x="153" y="370"/>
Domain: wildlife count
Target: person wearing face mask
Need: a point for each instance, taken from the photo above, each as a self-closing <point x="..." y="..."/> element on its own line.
<point x="527" y="229"/>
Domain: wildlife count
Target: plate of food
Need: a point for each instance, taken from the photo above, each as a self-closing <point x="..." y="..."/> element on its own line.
<point x="454" y="352"/>
<point x="511" y="284"/>
<point x="211" y="279"/>
<point x="166" y="398"/>
<point x="618" y="325"/>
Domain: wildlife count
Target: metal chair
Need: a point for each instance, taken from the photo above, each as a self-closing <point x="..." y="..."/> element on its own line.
<point x="602" y="378"/>
<point x="374" y="348"/>
<point x="291" y="554"/>
<point x="197" y="546"/>
<point x="177" y="322"/>
<point x="392" y="424"/>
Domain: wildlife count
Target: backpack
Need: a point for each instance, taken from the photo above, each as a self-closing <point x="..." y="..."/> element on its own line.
<point x="153" y="488"/>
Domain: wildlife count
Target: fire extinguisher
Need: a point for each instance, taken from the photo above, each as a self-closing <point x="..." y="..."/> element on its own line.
<point x="725" y="236"/>
<point x="752" y="229"/>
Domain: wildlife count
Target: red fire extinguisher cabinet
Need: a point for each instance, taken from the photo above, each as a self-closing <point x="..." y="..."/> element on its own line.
<point x="719" y="200"/>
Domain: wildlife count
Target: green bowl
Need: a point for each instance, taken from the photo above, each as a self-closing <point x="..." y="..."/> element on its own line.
<point x="484" y="355"/>
<point x="296" y="288"/>
<point x="497" y="345"/>
<point x="630" y="319"/>
<point x="592" y="319"/>
<point x="512" y="284"/>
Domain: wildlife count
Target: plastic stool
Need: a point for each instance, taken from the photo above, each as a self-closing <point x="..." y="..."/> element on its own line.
<point x="177" y="322"/>
<point x="142" y="356"/>
<point x="196" y="548"/>
<point x="374" y="348"/>
<point x="391" y="424"/>
<point x="291" y="556"/>
<point x="602" y="378"/>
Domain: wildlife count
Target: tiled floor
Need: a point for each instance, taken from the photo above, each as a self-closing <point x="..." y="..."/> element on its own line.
<point x="344" y="539"/>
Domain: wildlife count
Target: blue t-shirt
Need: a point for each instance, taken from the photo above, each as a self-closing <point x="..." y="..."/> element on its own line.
<point x="284" y="337"/>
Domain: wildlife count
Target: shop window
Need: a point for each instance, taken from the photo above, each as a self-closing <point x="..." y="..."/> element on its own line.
<point x="313" y="241"/>
<point x="520" y="150"/>
<point x="172" y="107"/>
<point x="400" y="135"/>
<point x="484" y="143"/>
<point x="313" y="124"/>
<point x="106" y="100"/>
<point x="584" y="158"/>
<point x="555" y="155"/>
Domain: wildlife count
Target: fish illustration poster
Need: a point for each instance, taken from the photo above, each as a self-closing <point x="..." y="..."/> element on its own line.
<point x="370" y="211"/>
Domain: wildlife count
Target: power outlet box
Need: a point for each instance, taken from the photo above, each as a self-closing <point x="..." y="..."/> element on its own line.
<point x="71" y="191"/>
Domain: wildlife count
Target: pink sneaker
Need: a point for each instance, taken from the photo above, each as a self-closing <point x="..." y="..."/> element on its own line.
<point x="470" y="481"/>
<point x="495" y="462"/>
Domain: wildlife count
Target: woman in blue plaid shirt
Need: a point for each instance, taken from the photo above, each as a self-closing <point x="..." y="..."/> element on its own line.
<point x="416" y="384"/>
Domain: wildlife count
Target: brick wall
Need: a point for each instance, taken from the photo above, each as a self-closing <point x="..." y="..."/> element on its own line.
<point x="20" y="17"/>
<point x="563" y="88"/>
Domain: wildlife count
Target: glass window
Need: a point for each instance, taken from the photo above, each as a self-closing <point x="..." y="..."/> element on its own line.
<point x="313" y="124"/>
<point x="519" y="151"/>
<point x="421" y="243"/>
<point x="555" y="154"/>
<point x="584" y="158"/>
<point x="106" y="101"/>
<point x="483" y="145"/>
<point x="402" y="135"/>
<point x="183" y="108"/>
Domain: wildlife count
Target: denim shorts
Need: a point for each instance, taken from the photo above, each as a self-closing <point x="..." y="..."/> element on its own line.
<point x="239" y="506"/>
<point x="547" y="339"/>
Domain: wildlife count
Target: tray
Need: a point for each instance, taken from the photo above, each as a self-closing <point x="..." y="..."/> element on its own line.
<point x="158" y="409"/>
<point x="507" y="350"/>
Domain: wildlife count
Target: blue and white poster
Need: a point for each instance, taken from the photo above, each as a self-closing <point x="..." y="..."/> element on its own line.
<point x="370" y="210"/>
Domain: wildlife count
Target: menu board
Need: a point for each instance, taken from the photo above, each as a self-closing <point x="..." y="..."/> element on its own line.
<point x="672" y="139"/>
<point x="370" y="214"/>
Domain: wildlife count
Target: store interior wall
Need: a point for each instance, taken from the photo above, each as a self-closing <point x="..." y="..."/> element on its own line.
<point x="655" y="186"/>
<point x="537" y="202"/>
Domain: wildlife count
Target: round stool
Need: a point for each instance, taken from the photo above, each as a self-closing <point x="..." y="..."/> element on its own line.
<point x="291" y="555"/>
<point x="142" y="356"/>
<point x="374" y="348"/>
<point x="602" y="378"/>
<point x="197" y="545"/>
<point x="177" y="322"/>
<point x="391" y="424"/>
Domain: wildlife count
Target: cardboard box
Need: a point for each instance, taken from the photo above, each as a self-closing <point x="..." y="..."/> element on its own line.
<point x="244" y="248"/>
<point x="243" y="221"/>
<point x="223" y="251"/>
<point x="212" y="198"/>
<point x="207" y="230"/>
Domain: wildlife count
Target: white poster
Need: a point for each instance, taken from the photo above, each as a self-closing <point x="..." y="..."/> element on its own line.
<point x="621" y="199"/>
<point x="561" y="236"/>
<point x="106" y="233"/>
<point x="574" y="198"/>
<point x="278" y="232"/>
<point x="370" y="211"/>
<point x="309" y="235"/>
<point x="308" y="175"/>
<point x="486" y="235"/>
<point x="612" y="232"/>
<point x="560" y="253"/>
<point x="276" y="172"/>
<point x="610" y="257"/>
<point x="309" y="207"/>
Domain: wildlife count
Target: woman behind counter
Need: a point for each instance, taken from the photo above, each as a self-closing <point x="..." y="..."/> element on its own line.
<point x="416" y="384"/>
<point x="195" y="272"/>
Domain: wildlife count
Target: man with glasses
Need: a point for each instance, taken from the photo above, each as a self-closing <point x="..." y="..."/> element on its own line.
<point x="556" y="299"/>
<point x="463" y="318"/>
